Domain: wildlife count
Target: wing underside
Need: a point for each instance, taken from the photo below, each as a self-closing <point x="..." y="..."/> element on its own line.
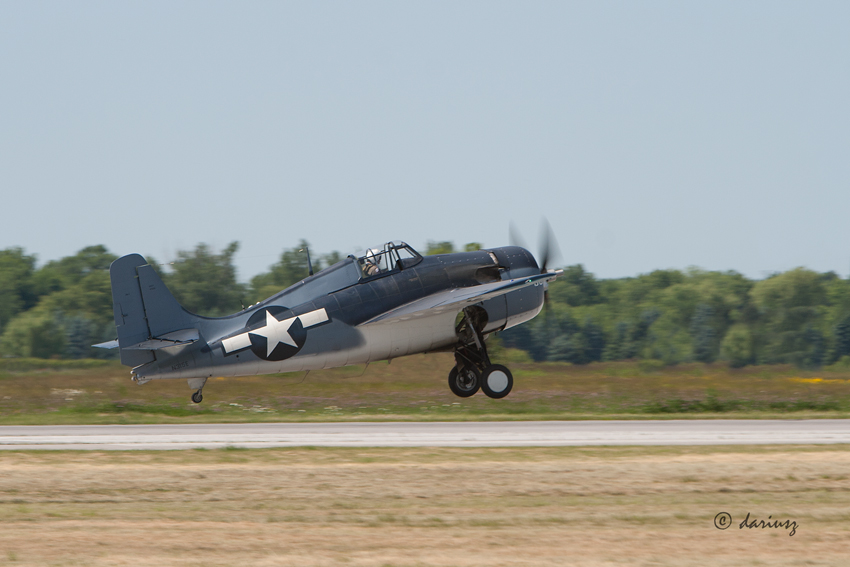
<point x="457" y="299"/>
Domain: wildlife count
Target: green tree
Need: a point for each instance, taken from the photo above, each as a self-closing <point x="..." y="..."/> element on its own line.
<point x="35" y="333"/>
<point x="618" y="347"/>
<point x="80" y="333"/>
<point x="594" y="340"/>
<point x="205" y="282"/>
<point x="57" y="275"/>
<point x="703" y="335"/>
<point x="328" y="260"/>
<point x="737" y="346"/>
<point x="791" y="308"/>
<point x="842" y="338"/>
<point x="576" y="287"/>
<point x="73" y="311"/>
<point x="290" y="269"/>
<point x="16" y="286"/>
<point x="568" y="348"/>
<point x="445" y="247"/>
<point x="91" y="297"/>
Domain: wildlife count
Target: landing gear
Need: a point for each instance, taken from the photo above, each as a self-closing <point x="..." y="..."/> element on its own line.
<point x="464" y="381"/>
<point x="197" y="384"/>
<point x="474" y="369"/>
<point x="497" y="381"/>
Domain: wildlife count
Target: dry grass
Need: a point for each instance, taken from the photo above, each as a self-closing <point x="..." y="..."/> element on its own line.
<point x="414" y="507"/>
<point x="414" y="388"/>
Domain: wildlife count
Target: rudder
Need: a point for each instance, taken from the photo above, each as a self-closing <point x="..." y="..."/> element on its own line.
<point x="129" y="309"/>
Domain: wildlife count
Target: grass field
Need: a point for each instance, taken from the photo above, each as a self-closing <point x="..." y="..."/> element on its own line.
<point x="591" y="506"/>
<point x="426" y="507"/>
<point x="414" y="388"/>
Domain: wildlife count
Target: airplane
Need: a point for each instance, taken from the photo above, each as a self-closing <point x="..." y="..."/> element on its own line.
<point x="388" y="303"/>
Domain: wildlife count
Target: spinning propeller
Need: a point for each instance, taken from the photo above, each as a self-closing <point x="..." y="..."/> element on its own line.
<point x="549" y="254"/>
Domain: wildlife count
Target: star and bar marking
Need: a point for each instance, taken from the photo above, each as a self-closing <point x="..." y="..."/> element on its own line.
<point x="275" y="332"/>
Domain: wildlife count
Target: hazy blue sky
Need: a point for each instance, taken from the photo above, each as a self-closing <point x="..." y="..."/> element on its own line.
<point x="651" y="134"/>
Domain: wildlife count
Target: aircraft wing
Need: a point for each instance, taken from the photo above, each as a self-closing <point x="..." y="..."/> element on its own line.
<point x="458" y="298"/>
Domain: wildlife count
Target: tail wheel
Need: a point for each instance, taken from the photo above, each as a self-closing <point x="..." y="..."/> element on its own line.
<point x="464" y="381"/>
<point x="497" y="381"/>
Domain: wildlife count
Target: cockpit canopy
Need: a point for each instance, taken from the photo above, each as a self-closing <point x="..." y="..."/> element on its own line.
<point x="395" y="255"/>
<point x="392" y="257"/>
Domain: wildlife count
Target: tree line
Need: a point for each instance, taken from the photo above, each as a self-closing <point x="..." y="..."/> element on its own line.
<point x="799" y="317"/>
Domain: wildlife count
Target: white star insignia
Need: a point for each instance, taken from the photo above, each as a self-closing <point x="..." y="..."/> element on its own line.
<point x="275" y="332"/>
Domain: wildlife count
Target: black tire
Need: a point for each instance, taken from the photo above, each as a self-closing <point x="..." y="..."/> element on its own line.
<point x="464" y="382"/>
<point x="197" y="397"/>
<point x="497" y="381"/>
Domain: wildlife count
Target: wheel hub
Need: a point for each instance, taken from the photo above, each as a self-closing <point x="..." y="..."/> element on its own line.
<point x="497" y="381"/>
<point x="466" y="379"/>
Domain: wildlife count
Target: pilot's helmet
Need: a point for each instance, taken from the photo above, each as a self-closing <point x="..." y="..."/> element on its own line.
<point x="373" y="255"/>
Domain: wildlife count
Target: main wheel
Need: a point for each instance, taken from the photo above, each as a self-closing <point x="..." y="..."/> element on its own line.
<point x="465" y="381"/>
<point x="197" y="397"/>
<point x="497" y="381"/>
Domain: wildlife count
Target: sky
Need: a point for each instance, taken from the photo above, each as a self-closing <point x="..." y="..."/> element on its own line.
<point x="649" y="134"/>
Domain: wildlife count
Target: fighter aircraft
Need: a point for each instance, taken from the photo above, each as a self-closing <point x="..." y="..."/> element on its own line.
<point x="388" y="303"/>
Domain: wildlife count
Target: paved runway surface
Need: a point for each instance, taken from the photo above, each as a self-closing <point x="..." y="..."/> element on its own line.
<point x="406" y="434"/>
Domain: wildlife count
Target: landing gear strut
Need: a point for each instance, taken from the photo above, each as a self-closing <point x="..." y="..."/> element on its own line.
<point x="197" y="384"/>
<point x="474" y="369"/>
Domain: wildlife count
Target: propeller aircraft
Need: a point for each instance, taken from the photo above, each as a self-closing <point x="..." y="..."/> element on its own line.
<point x="391" y="302"/>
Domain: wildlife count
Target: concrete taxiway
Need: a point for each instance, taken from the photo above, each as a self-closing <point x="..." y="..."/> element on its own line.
<point x="423" y="434"/>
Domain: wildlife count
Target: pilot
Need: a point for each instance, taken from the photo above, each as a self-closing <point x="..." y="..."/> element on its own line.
<point x="370" y="267"/>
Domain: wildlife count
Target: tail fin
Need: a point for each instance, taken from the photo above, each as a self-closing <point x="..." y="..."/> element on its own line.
<point x="145" y="311"/>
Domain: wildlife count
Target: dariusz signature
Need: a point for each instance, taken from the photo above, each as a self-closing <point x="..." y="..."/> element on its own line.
<point x="769" y="523"/>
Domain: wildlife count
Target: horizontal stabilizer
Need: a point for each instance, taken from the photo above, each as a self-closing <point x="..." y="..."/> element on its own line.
<point x="107" y="344"/>
<point x="174" y="338"/>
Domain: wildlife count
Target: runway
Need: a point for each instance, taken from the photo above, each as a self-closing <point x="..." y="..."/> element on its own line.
<point x="424" y="434"/>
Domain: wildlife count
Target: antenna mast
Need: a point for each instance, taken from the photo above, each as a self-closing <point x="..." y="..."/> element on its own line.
<point x="309" y="263"/>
